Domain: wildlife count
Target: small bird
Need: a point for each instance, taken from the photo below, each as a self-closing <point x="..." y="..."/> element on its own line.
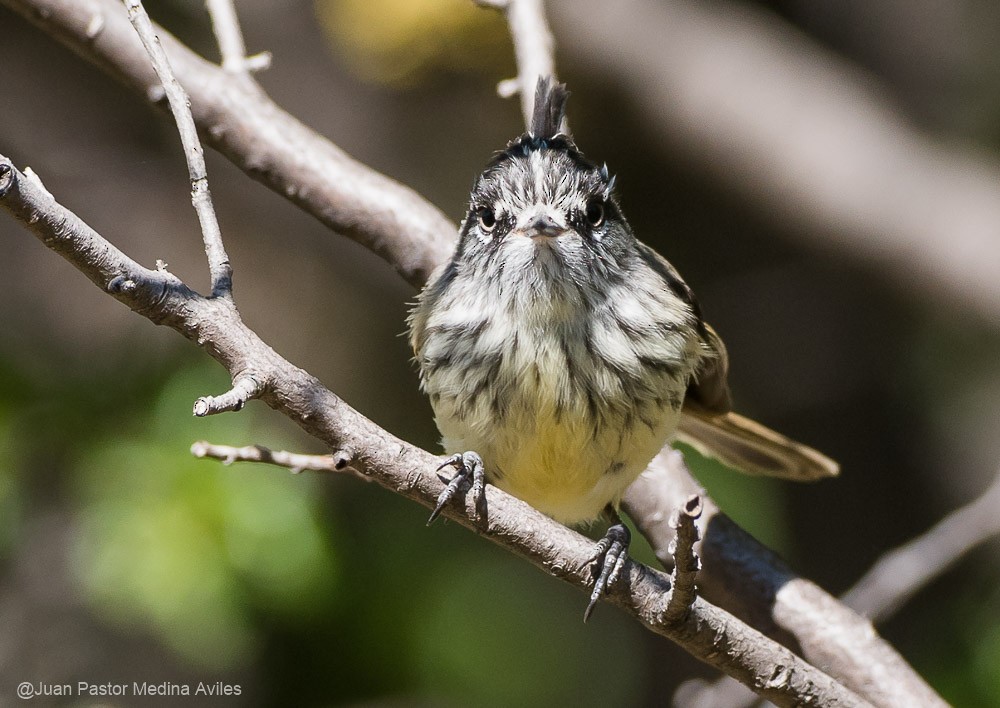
<point x="560" y="353"/>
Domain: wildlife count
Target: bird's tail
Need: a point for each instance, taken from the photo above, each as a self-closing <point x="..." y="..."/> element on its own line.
<point x="753" y="448"/>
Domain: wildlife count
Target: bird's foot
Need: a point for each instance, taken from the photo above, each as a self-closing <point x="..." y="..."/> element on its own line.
<point x="607" y="562"/>
<point x="469" y="468"/>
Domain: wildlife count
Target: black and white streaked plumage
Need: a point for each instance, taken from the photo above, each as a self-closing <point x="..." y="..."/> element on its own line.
<point x="564" y="351"/>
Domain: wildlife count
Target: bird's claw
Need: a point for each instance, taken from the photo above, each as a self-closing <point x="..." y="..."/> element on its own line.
<point x="468" y="466"/>
<point x="607" y="562"/>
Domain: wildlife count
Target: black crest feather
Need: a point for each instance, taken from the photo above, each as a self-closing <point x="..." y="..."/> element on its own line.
<point x="550" y="108"/>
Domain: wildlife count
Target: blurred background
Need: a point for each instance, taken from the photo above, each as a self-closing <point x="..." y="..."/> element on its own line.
<point x="122" y="558"/>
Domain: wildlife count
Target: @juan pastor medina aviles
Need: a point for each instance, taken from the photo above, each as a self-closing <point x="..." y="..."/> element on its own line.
<point x="135" y="688"/>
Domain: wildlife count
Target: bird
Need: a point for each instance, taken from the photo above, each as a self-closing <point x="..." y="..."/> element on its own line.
<point x="560" y="353"/>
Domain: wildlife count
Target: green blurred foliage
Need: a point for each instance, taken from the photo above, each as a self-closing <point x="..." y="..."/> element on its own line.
<point x="555" y="657"/>
<point x="959" y="651"/>
<point x="755" y="503"/>
<point x="188" y="546"/>
<point x="247" y="567"/>
<point x="984" y="643"/>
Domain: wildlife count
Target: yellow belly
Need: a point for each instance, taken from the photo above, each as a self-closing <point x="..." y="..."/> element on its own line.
<point x="566" y="468"/>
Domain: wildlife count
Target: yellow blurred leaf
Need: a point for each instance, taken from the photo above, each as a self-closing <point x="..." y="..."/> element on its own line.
<point x="400" y="41"/>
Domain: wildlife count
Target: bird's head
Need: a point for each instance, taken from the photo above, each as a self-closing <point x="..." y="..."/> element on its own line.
<point x="540" y="208"/>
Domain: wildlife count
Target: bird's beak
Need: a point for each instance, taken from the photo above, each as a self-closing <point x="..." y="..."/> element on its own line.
<point x="543" y="225"/>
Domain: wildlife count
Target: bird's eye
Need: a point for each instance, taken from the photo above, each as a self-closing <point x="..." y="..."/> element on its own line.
<point x="487" y="219"/>
<point x="595" y="212"/>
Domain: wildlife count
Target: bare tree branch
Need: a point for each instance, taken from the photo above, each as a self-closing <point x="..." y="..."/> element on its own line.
<point x="809" y="140"/>
<point x="756" y="585"/>
<point x="218" y="262"/>
<point x="901" y="573"/>
<point x="706" y="631"/>
<point x="886" y="587"/>
<point x="239" y="120"/>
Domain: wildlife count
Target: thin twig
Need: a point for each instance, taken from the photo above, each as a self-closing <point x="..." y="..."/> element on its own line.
<point x="218" y="262"/>
<point x="296" y="462"/>
<point x="534" y="50"/>
<point x="227" y="31"/>
<point x="228" y="35"/>
<point x="246" y="385"/>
